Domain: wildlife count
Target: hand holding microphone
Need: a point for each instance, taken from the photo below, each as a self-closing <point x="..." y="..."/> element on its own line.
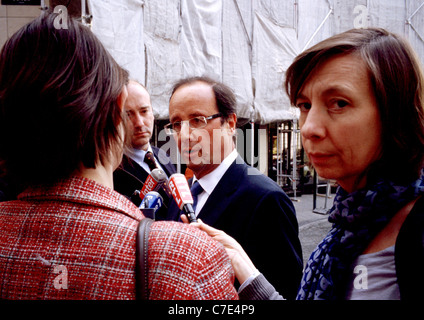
<point x="182" y="195"/>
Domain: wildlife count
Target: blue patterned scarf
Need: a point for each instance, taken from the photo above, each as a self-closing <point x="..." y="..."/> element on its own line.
<point x="357" y="218"/>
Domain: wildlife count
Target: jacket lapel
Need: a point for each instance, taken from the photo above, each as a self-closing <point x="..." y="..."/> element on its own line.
<point x="134" y="168"/>
<point x="167" y="166"/>
<point x="221" y="196"/>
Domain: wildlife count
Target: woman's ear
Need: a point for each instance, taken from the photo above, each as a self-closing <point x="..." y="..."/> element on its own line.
<point x="122" y="98"/>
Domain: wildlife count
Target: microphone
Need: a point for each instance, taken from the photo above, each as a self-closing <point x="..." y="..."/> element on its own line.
<point x="182" y="195"/>
<point x="151" y="203"/>
<point x="152" y="200"/>
<point x="154" y="182"/>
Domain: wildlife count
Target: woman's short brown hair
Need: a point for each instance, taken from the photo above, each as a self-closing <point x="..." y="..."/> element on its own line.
<point x="58" y="101"/>
<point x="397" y="80"/>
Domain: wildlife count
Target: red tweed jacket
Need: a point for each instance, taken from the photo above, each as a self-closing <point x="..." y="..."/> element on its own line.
<point x="76" y="240"/>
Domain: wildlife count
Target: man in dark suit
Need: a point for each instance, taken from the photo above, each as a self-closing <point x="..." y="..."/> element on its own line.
<point x="135" y="167"/>
<point x="233" y="197"/>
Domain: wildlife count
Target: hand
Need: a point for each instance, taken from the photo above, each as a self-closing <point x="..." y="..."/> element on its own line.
<point x="242" y="265"/>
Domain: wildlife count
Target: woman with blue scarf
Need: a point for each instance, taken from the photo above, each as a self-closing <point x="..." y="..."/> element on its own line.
<point x="361" y="97"/>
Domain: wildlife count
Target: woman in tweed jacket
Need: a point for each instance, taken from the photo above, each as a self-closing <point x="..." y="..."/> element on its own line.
<point x="69" y="235"/>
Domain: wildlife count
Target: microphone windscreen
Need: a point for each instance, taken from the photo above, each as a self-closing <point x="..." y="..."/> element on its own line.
<point x="154" y="182"/>
<point x="180" y="190"/>
<point x="152" y="200"/>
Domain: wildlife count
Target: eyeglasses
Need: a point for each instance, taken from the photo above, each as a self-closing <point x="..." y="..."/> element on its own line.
<point x="193" y="123"/>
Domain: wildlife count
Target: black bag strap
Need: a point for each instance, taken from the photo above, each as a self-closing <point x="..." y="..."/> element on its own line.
<point x="142" y="247"/>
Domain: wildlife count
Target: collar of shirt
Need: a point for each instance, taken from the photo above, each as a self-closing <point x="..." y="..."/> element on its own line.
<point x="211" y="180"/>
<point x="138" y="156"/>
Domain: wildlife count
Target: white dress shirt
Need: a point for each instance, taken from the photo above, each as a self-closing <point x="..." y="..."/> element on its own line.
<point x="138" y="156"/>
<point x="211" y="180"/>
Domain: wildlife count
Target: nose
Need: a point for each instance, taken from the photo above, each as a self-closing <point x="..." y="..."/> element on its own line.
<point x="185" y="130"/>
<point x="137" y="120"/>
<point x="313" y="123"/>
<point x="184" y="135"/>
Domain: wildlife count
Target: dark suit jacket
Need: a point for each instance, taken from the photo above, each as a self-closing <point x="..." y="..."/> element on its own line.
<point x="255" y="211"/>
<point x="130" y="176"/>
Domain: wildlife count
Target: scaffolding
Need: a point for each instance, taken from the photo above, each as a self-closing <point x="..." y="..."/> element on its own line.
<point x="289" y="159"/>
<point x="326" y="195"/>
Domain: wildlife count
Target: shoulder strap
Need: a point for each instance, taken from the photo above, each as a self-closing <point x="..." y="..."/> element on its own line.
<point x="142" y="247"/>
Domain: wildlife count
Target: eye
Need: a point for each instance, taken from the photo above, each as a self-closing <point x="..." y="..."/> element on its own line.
<point x="176" y="125"/>
<point x="338" y="104"/>
<point x="196" y="121"/>
<point x="342" y="103"/>
<point x="303" y="106"/>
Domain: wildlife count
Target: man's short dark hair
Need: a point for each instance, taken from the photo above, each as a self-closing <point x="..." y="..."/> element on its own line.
<point x="224" y="95"/>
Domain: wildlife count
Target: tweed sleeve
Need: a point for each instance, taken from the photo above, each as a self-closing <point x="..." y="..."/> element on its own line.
<point x="186" y="264"/>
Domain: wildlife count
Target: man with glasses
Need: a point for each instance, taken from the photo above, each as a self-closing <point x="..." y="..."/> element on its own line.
<point x="230" y="195"/>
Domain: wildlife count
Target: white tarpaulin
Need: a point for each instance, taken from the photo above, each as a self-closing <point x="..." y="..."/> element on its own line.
<point x="237" y="53"/>
<point x="247" y="44"/>
<point x="162" y="48"/>
<point x="119" y="25"/>
<point x="269" y="68"/>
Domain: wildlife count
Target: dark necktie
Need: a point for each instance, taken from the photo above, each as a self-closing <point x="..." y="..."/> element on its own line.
<point x="195" y="190"/>
<point x="149" y="158"/>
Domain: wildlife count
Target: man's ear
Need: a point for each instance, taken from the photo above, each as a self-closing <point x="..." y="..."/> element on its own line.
<point x="232" y="122"/>
<point x="122" y="98"/>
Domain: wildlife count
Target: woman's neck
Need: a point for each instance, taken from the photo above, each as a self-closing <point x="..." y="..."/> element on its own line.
<point x="102" y="174"/>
